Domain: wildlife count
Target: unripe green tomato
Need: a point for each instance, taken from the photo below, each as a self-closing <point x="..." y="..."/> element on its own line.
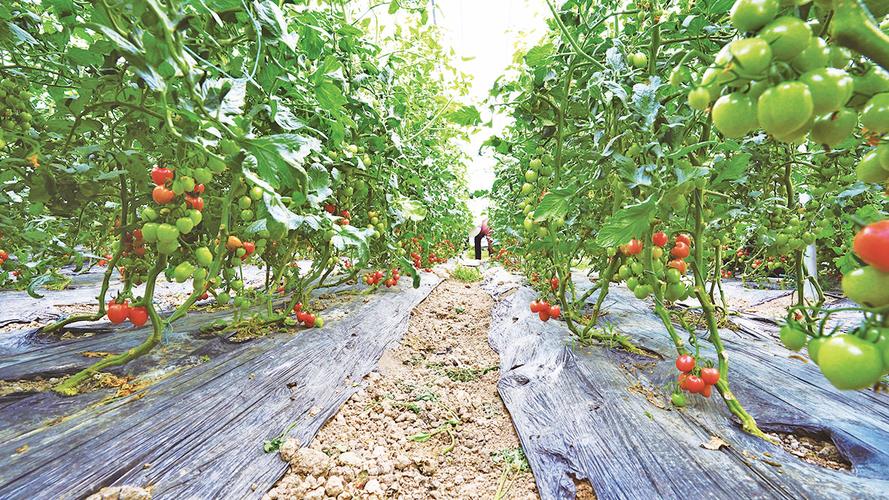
<point x="182" y="272"/>
<point x="203" y="256"/>
<point x="149" y="214"/>
<point x="184" y="225"/>
<point x="545" y="171"/>
<point x="751" y="15"/>
<point x="374" y="221"/>
<point x="149" y="232"/>
<point x="699" y="98"/>
<point x="535" y="164"/>
<point x="246" y="214"/>
<point x="237" y="285"/>
<point x="348" y="191"/>
<point x="256" y="193"/>
<point x="528" y="224"/>
<point x="244" y="202"/>
<point x="542" y="232"/>
<point x="223" y="298"/>
<point x="200" y="274"/>
<point x="167" y="233"/>
<point x="530" y="175"/>
<point x="240" y="252"/>
<point x="167" y="247"/>
<point x="527" y="188"/>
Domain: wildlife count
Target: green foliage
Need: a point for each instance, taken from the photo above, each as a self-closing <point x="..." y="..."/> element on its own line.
<point x="467" y="274"/>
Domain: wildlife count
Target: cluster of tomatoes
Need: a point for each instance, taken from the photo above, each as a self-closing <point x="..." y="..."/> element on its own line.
<point x="306" y="318"/>
<point x="858" y="359"/>
<point x="344" y="214"/>
<point x="815" y="93"/>
<point x="696" y="380"/>
<point x="545" y="311"/>
<point x="16" y="112"/>
<point x="669" y="275"/>
<point x="375" y="277"/>
<point x="133" y="243"/>
<point x="118" y="312"/>
<point x="241" y="249"/>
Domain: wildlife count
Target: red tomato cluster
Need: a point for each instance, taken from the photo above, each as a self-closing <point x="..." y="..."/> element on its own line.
<point x="306" y="318"/>
<point x="681" y="249"/>
<point x="195" y="201"/>
<point x="545" y="311"/>
<point x="374" y="278"/>
<point x="120" y="312"/>
<point x="725" y="273"/>
<point x="554" y="283"/>
<point x="133" y="244"/>
<point x="697" y="381"/>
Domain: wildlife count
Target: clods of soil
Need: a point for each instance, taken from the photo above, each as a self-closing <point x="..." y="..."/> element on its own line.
<point x="428" y="424"/>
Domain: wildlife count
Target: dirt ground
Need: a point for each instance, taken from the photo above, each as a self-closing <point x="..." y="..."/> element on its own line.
<point x="428" y="424"/>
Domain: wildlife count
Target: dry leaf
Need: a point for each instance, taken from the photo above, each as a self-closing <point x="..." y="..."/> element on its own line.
<point x="714" y="444"/>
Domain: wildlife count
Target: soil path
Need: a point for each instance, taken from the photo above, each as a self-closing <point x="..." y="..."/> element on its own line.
<point x="428" y="424"/>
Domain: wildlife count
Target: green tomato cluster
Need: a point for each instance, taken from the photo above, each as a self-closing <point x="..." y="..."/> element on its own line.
<point x="16" y="112"/>
<point x="789" y="82"/>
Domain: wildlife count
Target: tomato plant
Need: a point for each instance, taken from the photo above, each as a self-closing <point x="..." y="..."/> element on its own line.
<point x="185" y="141"/>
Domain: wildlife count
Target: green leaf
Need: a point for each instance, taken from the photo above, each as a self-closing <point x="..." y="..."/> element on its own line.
<point x="468" y="116"/>
<point x="539" y="54"/>
<point x="85" y="57"/>
<point x="627" y="223"/>
<point x="279" y="158"/>
<point x="329" y="96"/>
<point x="731" y="169"/>
<point x="409" y="209"/>
<point x="271" y="16"/>
<point x="554" y="205"/>
<point x="318" y="184"/>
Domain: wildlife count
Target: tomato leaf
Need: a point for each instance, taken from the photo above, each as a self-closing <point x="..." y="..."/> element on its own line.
<point x="554" y="205"/>
<point x="627" y="223"/>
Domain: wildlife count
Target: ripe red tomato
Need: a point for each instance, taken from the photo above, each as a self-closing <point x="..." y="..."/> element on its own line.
<point x="678" y="264"/>
<point x="195" y="202"/>
<point x="309" y="320"/>
<point x="543" y="315"/>
<point x="329" y="208"/>
<point x="683" y="238"/>
<point x="872" y="245"/>
<point x="555" y="312"/>
<point x="535" y="306"/>
<point x="695" y="384"/>
<point x="685" y="363"/>
<point x="345" y="214"/>
<point x="138" y="315"/>
<point x="298" y="307"/>
<point x="683" y="381"/>
<point x="249" y="246"/>
<point x="554" y="283"/>
<point x="3" y="255"/>
<point x="117" y="313"/>
<point x="199" y="189"/>
<point x="161" y="175"/>
<point x="659" y="238"/>
<point x="706" y="391"/>
<point x="634" y="247"/>
<point x="710" y="376"/>
<point x="680" y="250"/>
<point x="162" y="195"/>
